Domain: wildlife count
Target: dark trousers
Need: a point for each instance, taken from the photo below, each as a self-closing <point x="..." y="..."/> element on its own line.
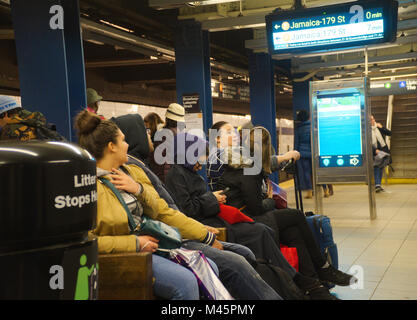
<point x="237" y="275"/>
<point x="295" y="232"/>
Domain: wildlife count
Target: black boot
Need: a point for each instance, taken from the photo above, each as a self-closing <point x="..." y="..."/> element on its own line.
<point x="337" y="277"/>
<point x="312" y="288"/>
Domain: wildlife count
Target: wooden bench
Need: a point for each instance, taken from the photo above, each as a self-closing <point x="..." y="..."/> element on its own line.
<point x="128" y="276"/>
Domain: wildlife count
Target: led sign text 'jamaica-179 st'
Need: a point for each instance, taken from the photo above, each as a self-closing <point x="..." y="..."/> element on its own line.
<point x="351" y="24"/>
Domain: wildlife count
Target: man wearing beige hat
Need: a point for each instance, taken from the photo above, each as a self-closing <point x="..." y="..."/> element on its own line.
<point x="175" y="117"/>
<point x="174" y="121"/>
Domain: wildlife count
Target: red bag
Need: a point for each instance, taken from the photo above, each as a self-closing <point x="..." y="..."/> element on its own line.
<point x="232" y="215"/>
<point x="291" y="255"/>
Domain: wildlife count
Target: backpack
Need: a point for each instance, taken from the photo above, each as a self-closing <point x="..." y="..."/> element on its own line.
<point x="47" y="133"/>
<point x="279" y="280"/>
<point x="28" y="125"/>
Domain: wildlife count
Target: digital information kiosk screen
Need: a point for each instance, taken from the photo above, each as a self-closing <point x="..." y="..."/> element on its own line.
<point x="339" y="130"/>
<point x="346" y="25"/>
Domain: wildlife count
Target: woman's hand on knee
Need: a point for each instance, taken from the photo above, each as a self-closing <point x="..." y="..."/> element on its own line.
<point x="216" y="244"/>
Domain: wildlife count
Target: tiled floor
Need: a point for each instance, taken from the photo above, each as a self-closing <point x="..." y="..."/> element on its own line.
<point x="382" y="252"/>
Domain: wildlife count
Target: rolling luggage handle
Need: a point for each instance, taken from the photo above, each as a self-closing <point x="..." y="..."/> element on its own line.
<point x="292" y="168"/>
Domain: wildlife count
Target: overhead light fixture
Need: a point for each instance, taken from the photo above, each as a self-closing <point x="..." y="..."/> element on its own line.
<point x="116" y="26"/>
<point x="209" y="2"/>
<point x="393" y="77"/>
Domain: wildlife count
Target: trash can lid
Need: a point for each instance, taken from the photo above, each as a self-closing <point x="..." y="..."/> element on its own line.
<point x="41" y="151"/>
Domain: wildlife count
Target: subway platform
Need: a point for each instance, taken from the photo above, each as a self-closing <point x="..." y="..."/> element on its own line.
<point x="385" y="248"/>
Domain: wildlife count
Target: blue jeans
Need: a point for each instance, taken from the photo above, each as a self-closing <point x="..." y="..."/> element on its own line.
<point x="239" y="249"/>
<point x="378" y="176"/>
<point x="173" y="281"/>
<point x="305" y="174"/>
<point x="236" y="274"/>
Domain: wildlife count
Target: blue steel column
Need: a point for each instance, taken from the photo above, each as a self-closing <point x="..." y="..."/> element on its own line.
<point x="262" y="95"/>
<point x="45" y="56"/>
<point x="75" y="60"/>
<point x="192" y="62"/>
<point x="301" y="101"/>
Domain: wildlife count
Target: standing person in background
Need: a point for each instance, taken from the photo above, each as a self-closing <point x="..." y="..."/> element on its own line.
<point x="93" y="101"/>
<point x="174" y="121"/>
<point x="153" y="123"/>
<point x="303" y="145"/>
<point x="379" y="133"/>
<point x="328" y="190"/>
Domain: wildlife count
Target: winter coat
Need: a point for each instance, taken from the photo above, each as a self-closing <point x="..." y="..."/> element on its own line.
<point x="191" y="195"/>
<point x="384" y="132"/>
<point x="157" y="184"/>
<point x="302" y="139"/>
<point x="112" y="228"/>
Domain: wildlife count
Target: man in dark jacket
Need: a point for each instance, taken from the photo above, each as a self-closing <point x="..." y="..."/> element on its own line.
<point x="133" y="127"/>
<point x="379" y="144"/>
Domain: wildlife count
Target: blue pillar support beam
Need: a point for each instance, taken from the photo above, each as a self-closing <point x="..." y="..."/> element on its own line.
<point x="75" y="60"/>
<point x="50" y="59"/>
<point x="192" y="62"/>
<point x="301" y="101"/>
<point x="262" y="95"/>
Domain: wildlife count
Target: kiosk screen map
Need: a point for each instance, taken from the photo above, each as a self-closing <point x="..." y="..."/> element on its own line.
<point x="339" y="130"/>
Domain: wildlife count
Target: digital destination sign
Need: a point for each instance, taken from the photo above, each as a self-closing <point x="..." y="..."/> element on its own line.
<point x="339" y="130"/>
<point x="346" y="25"/>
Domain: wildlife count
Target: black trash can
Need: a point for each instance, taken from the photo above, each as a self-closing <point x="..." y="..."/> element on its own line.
<point x="48" y="203"/>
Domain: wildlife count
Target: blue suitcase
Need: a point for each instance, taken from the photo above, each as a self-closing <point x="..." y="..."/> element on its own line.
<point x="319" y="224"/>
<point x="322" y="230"/>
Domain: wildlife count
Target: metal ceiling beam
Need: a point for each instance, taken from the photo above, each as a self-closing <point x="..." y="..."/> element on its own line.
<point x="372" y="75"/>
<point x="305" y="67"/>
<point x="374" y="71"/>
<point x="172" y="4"/>
<point x="107" y="39"/>
<point x="123" y="39"/>
<point x="123" y="63"/>
<point x="126" y="37"/>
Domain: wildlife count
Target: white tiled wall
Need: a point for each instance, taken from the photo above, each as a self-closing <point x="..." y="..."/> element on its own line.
<point x="115" y="109"/>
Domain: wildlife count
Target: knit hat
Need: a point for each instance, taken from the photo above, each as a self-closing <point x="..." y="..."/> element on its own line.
<point x="175" y="112"/>
<point x="92" y="96"/>
<point x="7" y="103"/>
<point x="188" y="149"/>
